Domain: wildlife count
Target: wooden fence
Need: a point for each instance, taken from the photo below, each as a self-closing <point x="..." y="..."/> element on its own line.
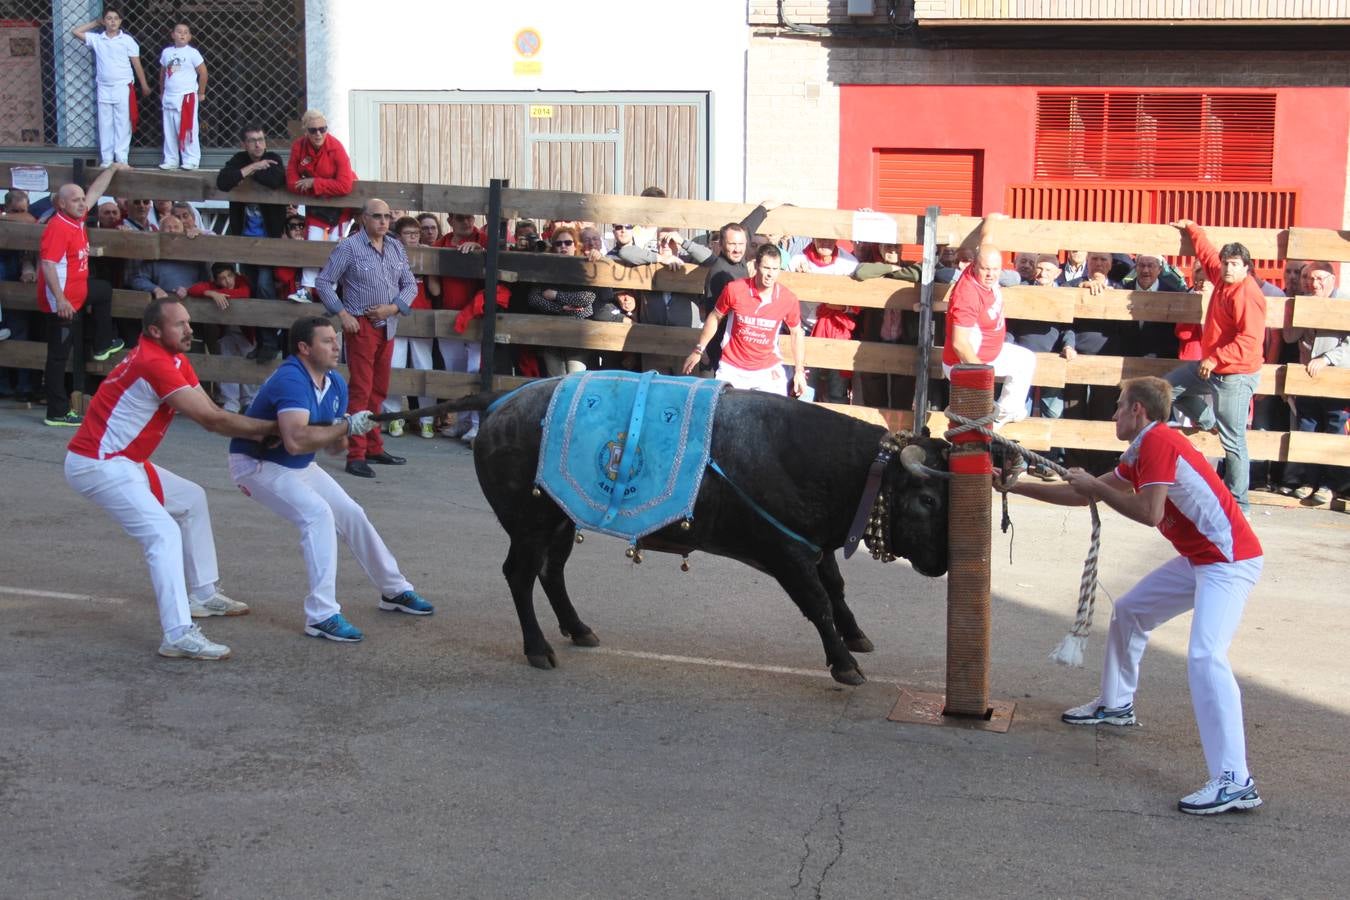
<point x="1029" y="303"/>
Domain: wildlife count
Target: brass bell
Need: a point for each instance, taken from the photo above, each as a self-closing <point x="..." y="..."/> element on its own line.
<point x="684" y="566"/>
<point x="581" y="538"/>
<point x="534" y="491"/>
<point x="630" y="552"/>
<point x="637" y="557"/>
<point x="686" y="525"/>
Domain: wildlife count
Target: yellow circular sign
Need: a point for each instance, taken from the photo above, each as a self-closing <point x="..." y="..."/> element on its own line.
<point x="528" y="42"/>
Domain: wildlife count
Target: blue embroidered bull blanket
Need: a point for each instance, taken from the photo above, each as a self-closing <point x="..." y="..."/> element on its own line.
<point x="624" y="454"/>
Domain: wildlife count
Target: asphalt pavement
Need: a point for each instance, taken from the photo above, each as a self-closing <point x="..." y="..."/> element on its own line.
<point x="700" y="751"/>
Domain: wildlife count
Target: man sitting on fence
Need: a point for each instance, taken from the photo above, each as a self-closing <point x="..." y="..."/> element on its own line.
<point x="976" y="330"/>
<point x="1232" y="344"/>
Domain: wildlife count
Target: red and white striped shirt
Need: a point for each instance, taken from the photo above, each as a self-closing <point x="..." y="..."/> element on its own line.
<point x="1201" y="518"/>
<point x="65" y="243"/>
<point x="128" y="416"/>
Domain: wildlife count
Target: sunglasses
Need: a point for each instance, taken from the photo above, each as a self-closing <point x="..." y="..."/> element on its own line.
<point x="564" y="243"/>
<point x="292" y="226"/>
<point x="623" y="227"/>
<point x="321" y="129"/>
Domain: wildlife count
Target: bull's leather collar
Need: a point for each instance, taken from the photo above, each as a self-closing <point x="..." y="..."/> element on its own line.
<point x="869" y="496"/>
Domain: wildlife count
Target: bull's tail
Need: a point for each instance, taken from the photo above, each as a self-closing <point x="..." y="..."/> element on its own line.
<point x="471" y="403"/>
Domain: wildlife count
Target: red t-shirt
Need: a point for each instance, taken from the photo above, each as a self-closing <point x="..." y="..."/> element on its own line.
<point x="753" y="322"/>
<point x="969" y="305"/>
<point x="421" y="301"/>
<point x="1201" y="518"/>
<point x="65" y="243"/>
<point x="128" y="416"/>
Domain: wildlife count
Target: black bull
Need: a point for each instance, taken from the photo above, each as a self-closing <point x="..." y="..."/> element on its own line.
<point x="804" y="465"/>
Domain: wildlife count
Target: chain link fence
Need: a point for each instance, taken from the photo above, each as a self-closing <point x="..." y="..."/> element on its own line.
<point x="255" y="60"/>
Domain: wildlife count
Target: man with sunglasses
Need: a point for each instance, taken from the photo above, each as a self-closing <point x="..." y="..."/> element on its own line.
<point x="257" y="165"/>
<point x="377" y="287"/>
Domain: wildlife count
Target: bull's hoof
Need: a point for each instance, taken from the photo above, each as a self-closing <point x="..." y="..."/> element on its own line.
<point x="586" y="639"/>
<point x="851" y="677"/>
<point x="859" y="644"/>
<point x="546" y="660"/>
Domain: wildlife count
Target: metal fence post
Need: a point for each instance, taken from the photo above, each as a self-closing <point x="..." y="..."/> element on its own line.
<point x="925" y="342"/>
<point x="487" y="363"/>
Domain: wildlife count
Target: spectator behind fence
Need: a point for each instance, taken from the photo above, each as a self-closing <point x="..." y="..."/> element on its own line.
<point x="257" y="166"/>
<point x="823" y="257"/>
<point x="138" y="217"/>
<point x="225" y="285"/>
<point x="319" y="167"/>
<point x="1043" y="337"/>
<point x="731" y="263"/>
<point x="1188" y="333"/>
<point x="182" y="72"/>
<point x="620" y="306"/>
<point x="577" y="303"/>
<point x="1232" y="344"/>
<point x="1074" y="268"/>
<point x="161" y="277"/>
<point x="411" y="352"/>
<point x="1150" y="339"/>
<point x="428" y="229"/>
<point x="455" y="294"/>
<point x="1320" y="349"/>
<point x="117" y="61"/>
<point x="377" y="287"/>
<point x="108" y="462"/>
<point x="287" y="278"/>
<point x="21" y="266"/>
<point x="64" y="289"/>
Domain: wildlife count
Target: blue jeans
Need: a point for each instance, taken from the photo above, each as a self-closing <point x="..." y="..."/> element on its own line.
<point x="1232" y="399"/>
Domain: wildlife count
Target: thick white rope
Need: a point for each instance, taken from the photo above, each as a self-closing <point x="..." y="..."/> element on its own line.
<point x="1069" y="651"/>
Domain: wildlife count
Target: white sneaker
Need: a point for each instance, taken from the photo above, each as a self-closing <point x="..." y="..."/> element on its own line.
<point x="193" y="645"/>
<point x="217" y="605"/>
<point x="1220" y="795"/>
<point x="301" y="295"/>
<point x="189" y="166"/>
<point x="394" y="428"/>
<point x="1095" y="713"/>
<point x="470" y="435"/>
<point x="4" y="334"/>
<point x="168" y="166"/>
<point x="428" y="430"/>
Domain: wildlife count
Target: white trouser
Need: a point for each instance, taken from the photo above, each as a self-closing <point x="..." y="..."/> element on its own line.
<point x="467" y="356"/>
<point x="1014" y="366"/>
<point x="114" y="123"/>
<point x="558" y="363"/>
<point x="312" y="501"/>
<point x="1218" y="592"/>
<point x="191" y="151"/>
<point x="318" y="233"/>
<point x="773" y="380"/>
<point x="176" y="537"/>
<point x="417" y="353"/>
<point x="235" y="397"/>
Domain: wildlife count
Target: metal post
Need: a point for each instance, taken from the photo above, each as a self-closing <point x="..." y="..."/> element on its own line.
<point x="495" y="225"/>
<point x="969" y="543"/>
<point x="925" y="343"/>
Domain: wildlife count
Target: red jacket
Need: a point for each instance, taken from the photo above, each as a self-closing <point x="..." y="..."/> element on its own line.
<point x="1234" y="332"/>
<point x="457" y="292"/>
<point x="329" y="166"/>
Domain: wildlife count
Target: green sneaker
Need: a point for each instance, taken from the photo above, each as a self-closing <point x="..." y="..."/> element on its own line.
<point x="71" y="419"/>
<point x="112" y="350"/>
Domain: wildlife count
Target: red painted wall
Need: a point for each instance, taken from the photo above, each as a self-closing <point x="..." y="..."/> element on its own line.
<point x="1312" y="131"/>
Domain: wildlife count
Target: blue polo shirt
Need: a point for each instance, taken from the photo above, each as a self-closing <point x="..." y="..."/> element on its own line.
<point x="291" y="387"/>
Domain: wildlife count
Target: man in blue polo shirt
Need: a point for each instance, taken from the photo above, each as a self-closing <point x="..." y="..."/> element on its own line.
<point x="308" y="399"/>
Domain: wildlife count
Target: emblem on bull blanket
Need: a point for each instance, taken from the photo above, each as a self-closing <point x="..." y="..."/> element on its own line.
<point x="610" y="456"/>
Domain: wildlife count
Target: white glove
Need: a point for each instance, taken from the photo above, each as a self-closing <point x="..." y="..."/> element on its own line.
<point x="361" y="422"/>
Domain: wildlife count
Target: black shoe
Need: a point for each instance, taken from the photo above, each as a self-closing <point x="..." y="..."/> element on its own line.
<point x="385" y="459"/>
<point x="360" y="469"/>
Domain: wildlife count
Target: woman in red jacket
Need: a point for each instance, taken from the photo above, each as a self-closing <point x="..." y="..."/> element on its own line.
<point x="319" y="167"/>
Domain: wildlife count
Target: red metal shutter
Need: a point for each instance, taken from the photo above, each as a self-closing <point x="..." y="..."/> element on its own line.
<point x="1136" y="135"/>
<point x="909" y="181"/>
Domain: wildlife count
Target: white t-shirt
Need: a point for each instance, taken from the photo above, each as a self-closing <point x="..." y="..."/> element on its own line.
<point x="112" y="57"/>
<point x="179" y="65"/>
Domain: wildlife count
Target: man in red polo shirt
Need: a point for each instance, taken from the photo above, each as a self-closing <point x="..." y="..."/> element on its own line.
<point x="108" y="461"/>
<point x="64" y="288"/>
<point x="975" y="332"/>
<point x="755" y="308"/>
<point x="1163" y="481"/>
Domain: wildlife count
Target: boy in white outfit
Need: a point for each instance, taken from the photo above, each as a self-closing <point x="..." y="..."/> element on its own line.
<point x="117" y="59"/>
<point x="182" y="74"/>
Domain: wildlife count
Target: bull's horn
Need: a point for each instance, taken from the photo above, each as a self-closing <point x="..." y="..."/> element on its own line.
<point x="912" y="458"/>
